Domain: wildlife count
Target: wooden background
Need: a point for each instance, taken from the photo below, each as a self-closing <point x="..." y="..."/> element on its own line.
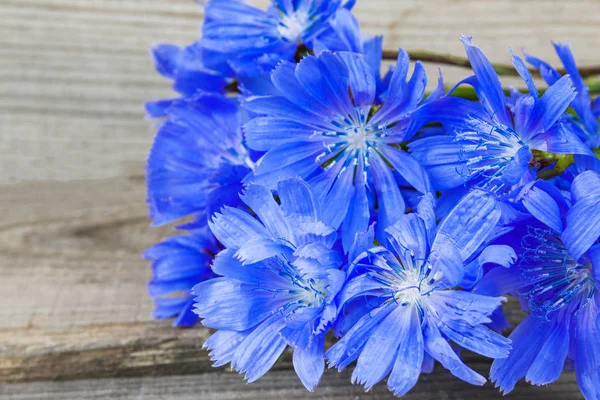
<point x="74" y="316"/>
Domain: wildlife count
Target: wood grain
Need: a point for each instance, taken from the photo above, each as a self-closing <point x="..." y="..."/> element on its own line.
<point x="440" y="385"/>
<point x="75" y="73"/>
<point x="73" y="224"/>
<point x="74" y="303"/>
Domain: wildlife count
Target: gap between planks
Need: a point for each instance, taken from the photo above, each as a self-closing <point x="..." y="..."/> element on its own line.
<point x="278" y="385"/>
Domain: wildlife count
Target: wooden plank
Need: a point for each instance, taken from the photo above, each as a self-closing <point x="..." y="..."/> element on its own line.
<point x="277" y="385"/>
<point x="74" y="302"/>
<point x="75" y="73"/>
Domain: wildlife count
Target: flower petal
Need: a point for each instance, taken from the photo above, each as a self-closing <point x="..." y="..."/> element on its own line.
<point x="403" y="97"/>
<point x="362" y="285"/>
<point x="180" y="257"/>
<point x="389" y="199"/>
<point x="562" y="140"/>
<point x="517" y="167"/>
<point x="260" y="350"/>
<point x="281" y="107"/>
<point x="363" y="241"/>
<point x="525" y="74"/>
<point x="443" y="159"/>
<point x="543" y="207"/>
<point x="582" y="103"/>
<point x="168" y="307"/>
<point x="227" y="265"/>
<point x="410" y="354"/>
<point x="348" y="348"/>
<point x="440" y="349"/>
<point x="594" y="256"/>
<point x="262" y="203"/>
<point x="313" y="77"/>
<point x="309" y="363"/>
<point x="589" y="384"/>
<point x="396" y="89"/>
<point x="408" y="237"/>
<point x="586" y="184"/>
<point x="223" y="344"/>
<point x="224" y="303"/>
<point x="407" y="167"/>
<point x="343" y="34"/>
<point x="166" y="59"/>
<point x="467" y="226"/>
<point x="445" y="257"/>
<point x="586" y="349"/>
<point x="498" y="254"/>
<point x="298" y="199"/>
<point x="552" y="105"/>
<point x="583" y="226"/>
<point x="361" y="80"/>
<point x="337" y="202"/>
<point x="550" y="361"/>
<point x="459" y="305"/>
<point x="287" y="161"/>
<point x="479" y="339"/>
<point x="549" y="74"/>
<point x="378" y="357"/>
<point x="266" y="133"/>
<point x="233" y="227"/>
<point x="261" y="248"/>
<point x="490" y="86"/>
<point x="499" y="281"/>
<point x="527" y="341"/>
<point x="357" y="217"/>
<point x="284" y="79"/>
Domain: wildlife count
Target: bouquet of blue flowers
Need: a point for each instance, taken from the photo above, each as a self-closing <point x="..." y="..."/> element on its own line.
<point x="351" y="216"/>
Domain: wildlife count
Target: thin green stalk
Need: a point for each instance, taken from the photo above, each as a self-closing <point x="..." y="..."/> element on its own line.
<point x="501" y="69"/>
<point x="543" y="160"/>
<point x="467" y="92"/>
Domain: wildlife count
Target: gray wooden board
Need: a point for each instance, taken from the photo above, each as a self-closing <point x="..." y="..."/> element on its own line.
<point x="73" y="76"/>
<point x="440" y="385"/>
<point x="74" y="73"/>
<point x="73" y="292"/>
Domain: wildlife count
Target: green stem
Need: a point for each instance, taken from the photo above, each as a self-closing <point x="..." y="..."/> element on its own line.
<point x="544" y="159"/>
<point x="467" y="92"/>
<point x="501" y="69"/>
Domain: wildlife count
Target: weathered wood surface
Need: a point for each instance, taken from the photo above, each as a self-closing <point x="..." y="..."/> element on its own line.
<point x="73" y="73"/>
<point x="73" y="291"/>
<point x="73" y="76"/>
<point x="276" y="385"/>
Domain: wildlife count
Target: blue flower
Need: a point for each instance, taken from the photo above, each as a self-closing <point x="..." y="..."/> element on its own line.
<point x="585" y="124"/>
<point x="190" y="70"/>
<point x="254" y="40"/>
<point x="277" y="286"/>
<point x="582" y="104"/>
<point x="198" y="159"/>
<point x="325" y="126"/>
<point x="179" y="263"/>
<point x="414" y="311"/>
<point x="491" y="142"/>
<point x="342" y="33"/>
<point x="556" y="281"/>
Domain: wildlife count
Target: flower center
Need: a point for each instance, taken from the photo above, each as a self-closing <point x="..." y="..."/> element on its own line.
<point x="553" y="279"/>
<point x="408" y="289"/>
<point x="488" y="149"/>
<point x="411" y="285"/>
<point x="313" y="293"/>
<point x="292" y="25"/>
<point x="351" y="136"/>
<point x="358" y="137"/>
